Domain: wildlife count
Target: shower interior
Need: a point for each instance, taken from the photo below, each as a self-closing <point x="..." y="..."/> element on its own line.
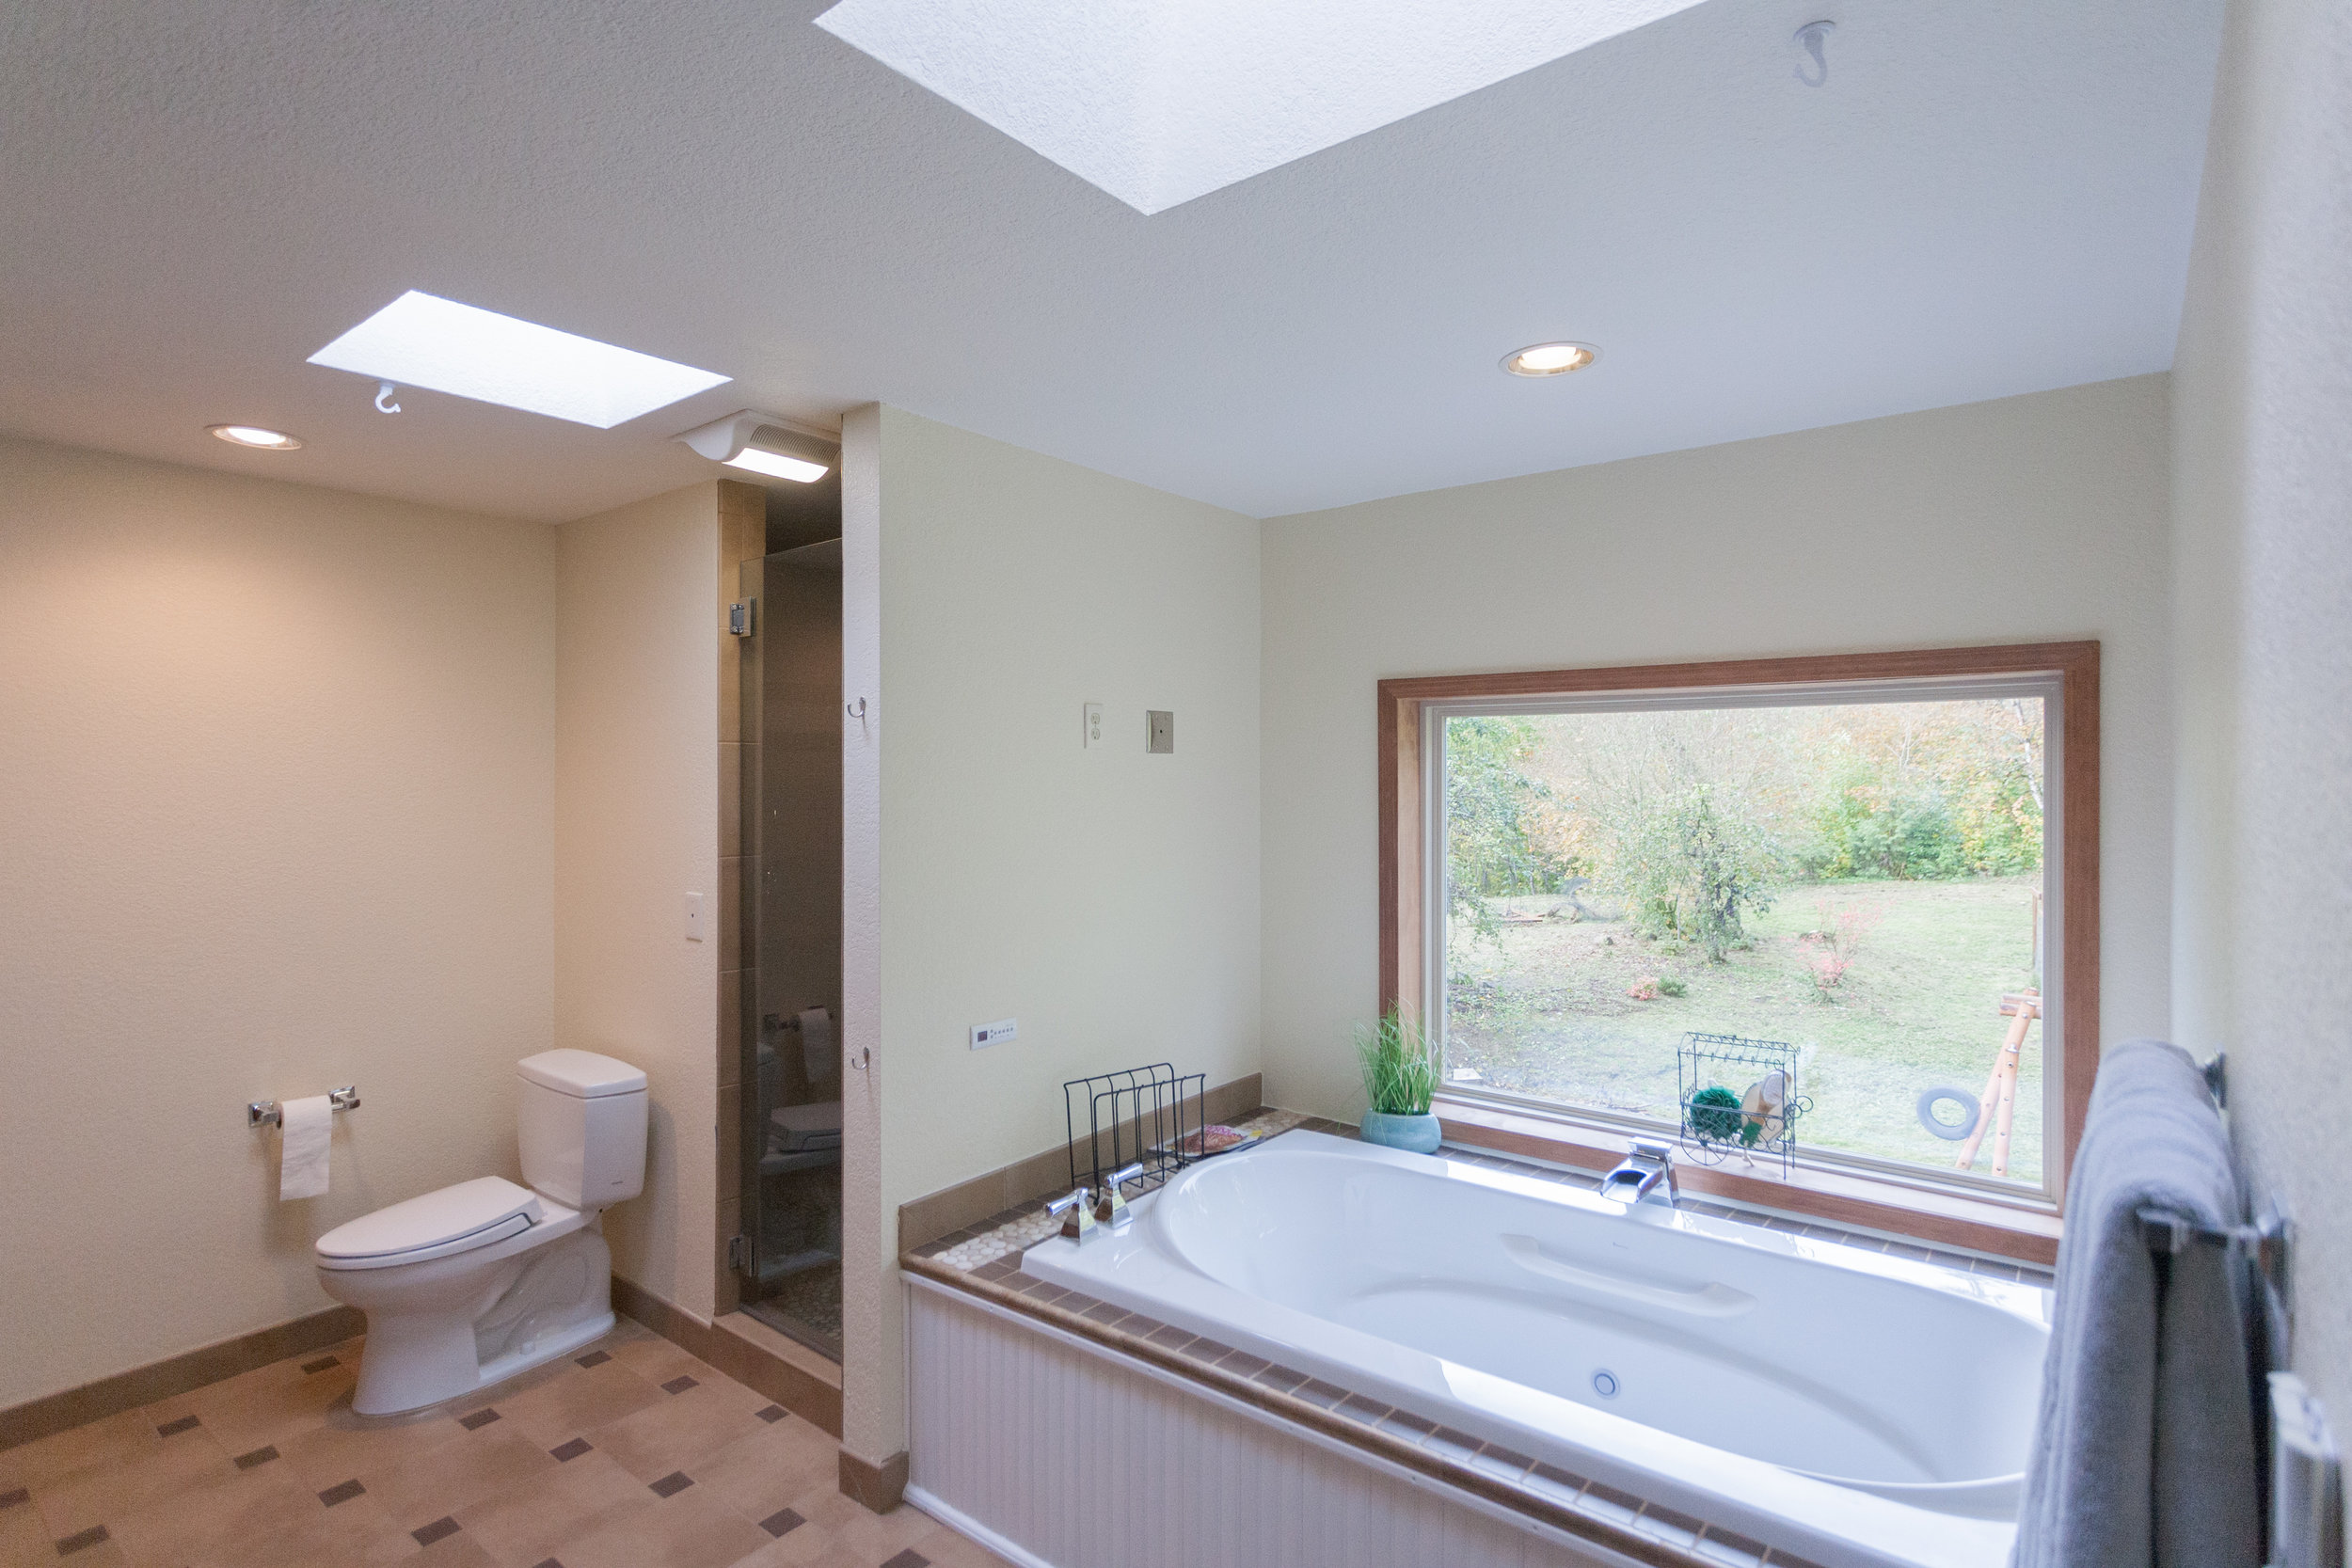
<point x="789" y="1261"/>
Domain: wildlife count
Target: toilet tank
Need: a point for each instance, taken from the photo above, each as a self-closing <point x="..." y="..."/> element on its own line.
<point x="581" y="1124"/>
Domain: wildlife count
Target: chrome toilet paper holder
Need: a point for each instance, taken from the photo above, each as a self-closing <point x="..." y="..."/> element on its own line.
<point x="268" y="1112"/>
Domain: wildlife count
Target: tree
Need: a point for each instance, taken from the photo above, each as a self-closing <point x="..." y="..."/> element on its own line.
<point x="1491" y="804"/>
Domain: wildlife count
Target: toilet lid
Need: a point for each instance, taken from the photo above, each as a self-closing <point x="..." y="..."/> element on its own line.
<point x="454" y="1219"/>
<point x="813" y="1126"/>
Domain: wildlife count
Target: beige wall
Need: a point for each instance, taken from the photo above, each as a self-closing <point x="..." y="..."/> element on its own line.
<point x="2023" y="520"/>
<point x="637" y="741"/>
<point x="275" y="772"/>
<point x="1106" y="899"/>
<point x="2263" y="502"/>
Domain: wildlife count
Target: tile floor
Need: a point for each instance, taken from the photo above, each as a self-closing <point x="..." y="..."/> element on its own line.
<point x="630" y="1454"/>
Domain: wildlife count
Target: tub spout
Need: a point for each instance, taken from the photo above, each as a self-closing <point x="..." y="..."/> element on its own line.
<point x="1644" y="1176"/>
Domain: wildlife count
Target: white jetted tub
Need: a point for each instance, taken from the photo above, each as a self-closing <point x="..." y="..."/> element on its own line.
<point x="1862" y="1408"/>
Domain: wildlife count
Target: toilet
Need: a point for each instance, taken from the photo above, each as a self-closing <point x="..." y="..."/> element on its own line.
<point x="466" y="1286"/>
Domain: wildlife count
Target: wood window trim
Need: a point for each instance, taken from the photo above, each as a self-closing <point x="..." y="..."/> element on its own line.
<point x="2027" y="1230"/>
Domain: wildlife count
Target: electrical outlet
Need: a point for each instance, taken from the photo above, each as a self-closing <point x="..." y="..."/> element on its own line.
<point x="986" y="1035"/>
<point x="1093" y="730"/>
<point x="695" y="917"/>
<point x="1159" y="731"/>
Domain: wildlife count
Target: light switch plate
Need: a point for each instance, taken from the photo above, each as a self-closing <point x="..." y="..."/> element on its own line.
<point x="986" y="1035"/>
<point x="695" y="917"/>
<point x="1093" y="726"/>
<point x="1159" y="731"/>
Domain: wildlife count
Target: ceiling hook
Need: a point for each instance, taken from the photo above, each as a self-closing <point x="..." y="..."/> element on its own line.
<point x="384" y="404"/>
<point x="1809" y="39"/>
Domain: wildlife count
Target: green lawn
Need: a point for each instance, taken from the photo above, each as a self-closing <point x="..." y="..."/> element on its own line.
<point x="1544" y="1011"/>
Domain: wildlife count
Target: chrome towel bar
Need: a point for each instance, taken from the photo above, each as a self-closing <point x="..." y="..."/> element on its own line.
<point x="267" y="1113"/>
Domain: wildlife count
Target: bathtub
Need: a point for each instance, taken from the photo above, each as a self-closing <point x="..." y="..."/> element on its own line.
<point x="1858" y="1408"/>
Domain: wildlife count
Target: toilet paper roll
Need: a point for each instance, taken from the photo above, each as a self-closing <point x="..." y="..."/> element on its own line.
<point x="817" y="1044"/>
<point x="309" y="1126"/>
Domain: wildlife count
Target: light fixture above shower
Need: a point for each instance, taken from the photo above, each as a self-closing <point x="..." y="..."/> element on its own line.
<point x="767" y="444"/>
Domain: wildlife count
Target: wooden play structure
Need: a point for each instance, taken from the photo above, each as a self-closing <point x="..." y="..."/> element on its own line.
<point x="1998" y="1108"/>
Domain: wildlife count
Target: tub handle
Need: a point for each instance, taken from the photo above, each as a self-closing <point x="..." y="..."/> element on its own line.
<point x="1713" y="1299"/>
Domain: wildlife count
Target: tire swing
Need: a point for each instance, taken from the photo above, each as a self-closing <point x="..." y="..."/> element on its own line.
<point x="1950" y="1132"/>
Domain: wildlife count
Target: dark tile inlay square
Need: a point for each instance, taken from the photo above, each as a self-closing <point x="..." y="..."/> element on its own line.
<point x="90" y="1537"/>
<point x="321" y="1364"/>
<point x="670" y="1484"/>
<point x="773" y="1414"/>
<point x="679" y="1384"/>
<point x="546" y="1563"/>
<point x="594" y="1358"/>
<point x="343" y="1492"/>
<point x="17" y="1498"/>
<point x="439" y="1529"/>
<point x="258" y="1456"/>
<point x="571" y="1450"/>
<point x="173" y="1429"/>
<point x="479" y="1419"/>
<point x="909" y="1558"/>
<point x="782" y="1522"/>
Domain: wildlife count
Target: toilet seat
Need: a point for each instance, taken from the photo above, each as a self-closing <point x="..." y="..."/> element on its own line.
<point x="455" y="1219"/>
<point x="796" y="1127"/>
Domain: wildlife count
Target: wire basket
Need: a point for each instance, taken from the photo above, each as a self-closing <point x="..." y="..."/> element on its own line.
<point x="1727" y="1087"/>
<point x="1153" y="1116"/>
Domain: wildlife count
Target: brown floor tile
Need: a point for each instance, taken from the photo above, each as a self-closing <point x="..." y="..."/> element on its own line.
<point x="875" y="1538"/>
<point x="577" y="1399"/>
<point x="770" y="1468"/>
<point x="673" y="1433"/>
<point x="451" y="1475"/>
<point x="132" y="1479"/>
<point x="46" y="1458"/>
<point x="526" y="1522"/>
<point x="216" y="1516"/>
<point x="691" y="1529"/>
<point x="347" y="1444"/>
<point x="657" y="1360"/>
<point x="267" y="1404"/>
<point x="358" y="1534"/>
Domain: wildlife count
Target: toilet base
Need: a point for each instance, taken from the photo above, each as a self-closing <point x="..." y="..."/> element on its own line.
<point x="532" y="1309"/>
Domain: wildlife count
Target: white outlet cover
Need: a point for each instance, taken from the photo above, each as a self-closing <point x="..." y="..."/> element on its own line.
<point x="986" y="1035"/>
<point x="1091" y="726"/>
<point x="695" y="917"/>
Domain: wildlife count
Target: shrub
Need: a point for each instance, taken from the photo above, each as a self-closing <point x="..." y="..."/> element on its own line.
<point x="1673" y="988"/>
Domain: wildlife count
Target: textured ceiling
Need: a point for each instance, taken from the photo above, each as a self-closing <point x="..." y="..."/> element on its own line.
<point x="1989" y="196"/>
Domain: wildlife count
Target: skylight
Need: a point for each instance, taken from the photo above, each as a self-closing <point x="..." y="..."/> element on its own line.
<point x="1158" y="103"/>
<point x="420" y="339"/>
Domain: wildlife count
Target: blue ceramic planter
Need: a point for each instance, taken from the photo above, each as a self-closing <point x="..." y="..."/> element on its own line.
<point x="1413" y="1135"/>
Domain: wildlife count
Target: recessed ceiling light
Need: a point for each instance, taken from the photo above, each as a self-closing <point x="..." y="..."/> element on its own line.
<point x="420" y="339"/>
<point x="254" y="435"/>
<point x="1551" y="358"/>
<point x="766" y="444"/>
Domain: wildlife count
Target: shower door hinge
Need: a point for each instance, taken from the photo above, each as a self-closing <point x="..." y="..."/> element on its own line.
<point x="739" y="617"/>
<point x="740" y="1253"/>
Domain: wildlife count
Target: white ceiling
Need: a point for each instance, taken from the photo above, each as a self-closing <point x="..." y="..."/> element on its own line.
<point x="1989" y="196"/>
<point x="1157" y="104"/>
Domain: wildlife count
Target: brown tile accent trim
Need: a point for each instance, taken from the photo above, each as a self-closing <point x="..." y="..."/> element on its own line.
<point x="738" y="1354"/>
<point x="1042" y="1175"/>
<point x="878" y="1487"/>
<point x="179" y="1374"/>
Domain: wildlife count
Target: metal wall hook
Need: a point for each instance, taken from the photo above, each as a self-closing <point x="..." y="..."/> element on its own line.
<point x="1809" y="39"/>
<point x="855" y="710"/>
<point x="384" y="404"/>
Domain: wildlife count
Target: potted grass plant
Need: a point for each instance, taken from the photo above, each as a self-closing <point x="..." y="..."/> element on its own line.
<point x="1399" y="1077"/>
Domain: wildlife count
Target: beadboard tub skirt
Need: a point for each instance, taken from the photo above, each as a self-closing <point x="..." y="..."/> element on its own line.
<point x="1057" y="1452"/>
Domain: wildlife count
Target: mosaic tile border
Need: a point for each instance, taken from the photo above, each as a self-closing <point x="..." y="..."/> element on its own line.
<point x="983" y="1259"/>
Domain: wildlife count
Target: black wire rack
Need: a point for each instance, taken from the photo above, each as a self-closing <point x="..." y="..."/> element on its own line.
<point x="1724" y="1083"/>
<point x="1152" y="1115"/>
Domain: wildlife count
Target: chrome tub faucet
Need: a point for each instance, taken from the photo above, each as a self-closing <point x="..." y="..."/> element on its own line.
<point x="1644" y="1176"/>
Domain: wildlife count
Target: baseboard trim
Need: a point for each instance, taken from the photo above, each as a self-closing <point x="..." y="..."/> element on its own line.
<point x="879" y="1487"/>
<point x="174" y="1375"/>
<point x="802" y="1390"/>
<point x="965" y="1525"/>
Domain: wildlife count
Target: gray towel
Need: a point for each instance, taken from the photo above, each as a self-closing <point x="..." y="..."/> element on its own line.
<point x="2144" y="1453"/>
